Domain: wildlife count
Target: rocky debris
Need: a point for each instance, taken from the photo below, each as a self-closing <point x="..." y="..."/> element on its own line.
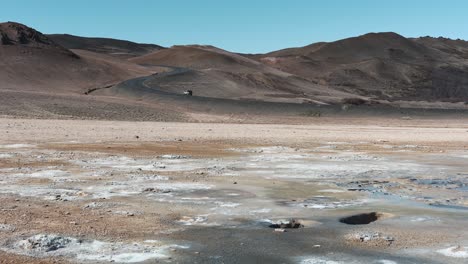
<point x="149" y="190"/>
<point x="45" y="243"/>
<point x="323" y="202"/>
<point x="441" y="183"/>
<point x="456" y="204"/>
<point x="100" y="205"/>
<point x="197" y="220"/>
<point x="372" y="186"/>
<point x="361" y="219"/>
<point x="454" y="252"/>
<point x="148" y="177"/>
<point x="356" y="157"/>
<point x="14" y="33"/>
<point x="48" y="245"/>
<point x="368" y="237"/>
<point x="371" y="237"/>
<point x="408" y="187"/>
<point x="65" y="196"/>
<point x="128" y="213"/>
<point x="5" y="227"/>
<point x="283" y="224"/>
<point x="170" y="156"/>
<point x="156" y="190"/>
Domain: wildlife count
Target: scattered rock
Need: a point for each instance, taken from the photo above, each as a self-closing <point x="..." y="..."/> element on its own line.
<point x="292" y="223"/>
<point x="48" y="245"/>
<point x="198" y="220"/>
<point x="371" y="237"/>
<point x="45" y="243"/>
<point x="5" y="227"/>
<point x="155" y="190"/>
<point x="171" y="156"/>
<point x="149" y="190"/>
<point x="454" y="252"/>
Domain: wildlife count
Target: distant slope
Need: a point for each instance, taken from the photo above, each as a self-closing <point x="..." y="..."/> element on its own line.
<point x="199" y="57"/>
<point x="47" y="76"/>
<point x="113" y="47"/>
<point x="31" y="61"/>
<point x="383" y="66"/>
<point x="213" y="72"/>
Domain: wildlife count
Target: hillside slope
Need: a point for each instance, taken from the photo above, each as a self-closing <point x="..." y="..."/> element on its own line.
<point x="382" y="65"/>
<point x="213" y="72"/>
<point x="112" y="47"/>
<point x="31" y="61"/>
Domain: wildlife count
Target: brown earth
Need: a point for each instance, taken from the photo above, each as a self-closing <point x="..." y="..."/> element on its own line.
<point x="64" y="144"/>
<point x="32" y="61"/>
<point x="382" y="66"/>
<point x="113" y="47"/>
<point x="384" y="74"/>
<point x="221" y="74"/>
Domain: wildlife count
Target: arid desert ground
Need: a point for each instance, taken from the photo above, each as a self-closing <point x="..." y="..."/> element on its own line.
<point x="83" y="191"/>
<point x="348" y="151"/>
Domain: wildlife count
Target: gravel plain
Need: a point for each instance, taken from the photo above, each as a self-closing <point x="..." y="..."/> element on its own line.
<point x="84" y="191"/>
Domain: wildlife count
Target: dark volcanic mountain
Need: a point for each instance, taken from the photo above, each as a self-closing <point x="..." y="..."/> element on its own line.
<point x="213" y="72"/>
<point x="17" y="35"/>
<point x="113" y="47"/>
<point x="51" y="73"/>
<point x="31" y="61"/>
<point x="383" y="66"/>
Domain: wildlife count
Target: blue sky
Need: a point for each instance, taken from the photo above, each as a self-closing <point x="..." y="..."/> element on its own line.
<point x="248" y="26"/>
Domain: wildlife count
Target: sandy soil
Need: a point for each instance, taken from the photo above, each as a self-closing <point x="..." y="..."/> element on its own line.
<point x="446" y="132"/>
<point x="130" y="192"/>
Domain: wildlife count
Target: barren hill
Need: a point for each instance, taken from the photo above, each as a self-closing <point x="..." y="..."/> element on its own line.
<point x="213" y="72"/>
<point x="66" y="76"/>
<point x="383" y="66"/>
<point x="31" y="61"/>
<point x="113" y="47"/>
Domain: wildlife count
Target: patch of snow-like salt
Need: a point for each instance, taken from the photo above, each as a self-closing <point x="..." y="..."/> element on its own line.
<point x="197" y="220"/>
<point x="5" y="227"/>
<point x="345" y="260"/>
<point x="44" y="192"/>
<point x="227" y="204"/>
<point x="332" y="191"/>
<point x="454" y="252"/>
<point x="386" y="261"/>
<point x="260" y="211"/>
<point x="49" y="174"/>
<point x="16" y="146"/>
<point x="49" y="245"/>
<point x="123" y="257"/>
<point x="172" y="156"/>
<point x="319" y="260"/>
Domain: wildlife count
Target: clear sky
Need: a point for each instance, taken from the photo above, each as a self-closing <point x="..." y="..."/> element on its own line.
<point x="249" y="26"/>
